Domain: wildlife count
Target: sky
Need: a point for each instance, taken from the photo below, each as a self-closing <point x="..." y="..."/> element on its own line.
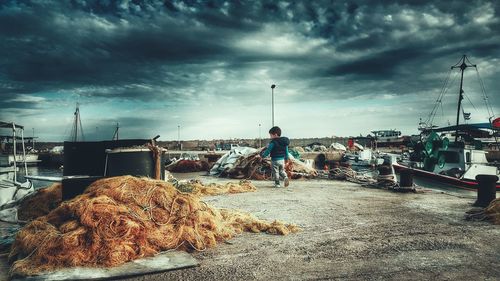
<point x="204" y="69"/>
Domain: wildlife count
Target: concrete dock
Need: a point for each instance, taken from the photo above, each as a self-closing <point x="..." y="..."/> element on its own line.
<point x="348" y="233"/>
<point x="351" y="233"/>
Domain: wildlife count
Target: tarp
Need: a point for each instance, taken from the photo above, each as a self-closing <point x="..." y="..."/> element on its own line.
<point x="227" y="161"/>
<point x="338" y="146"/>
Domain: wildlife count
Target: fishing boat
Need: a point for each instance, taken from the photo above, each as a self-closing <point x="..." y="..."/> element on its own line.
<point x="10" y="156"/>
<point x="454" y="164"/>
<point x="12" y="189"/>
<point x="458" y="162"/>
<point x="388" y="138"/>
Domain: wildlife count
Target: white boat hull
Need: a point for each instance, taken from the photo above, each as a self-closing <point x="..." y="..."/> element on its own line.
<point x="8" y="160"/>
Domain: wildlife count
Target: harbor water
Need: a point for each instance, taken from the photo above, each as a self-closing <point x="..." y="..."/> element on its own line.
<point x="40" y="171"/>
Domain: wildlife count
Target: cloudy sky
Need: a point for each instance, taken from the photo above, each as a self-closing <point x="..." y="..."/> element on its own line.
<point x="340" y="67"/>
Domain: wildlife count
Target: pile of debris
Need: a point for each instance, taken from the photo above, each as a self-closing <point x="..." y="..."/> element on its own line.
<point x="250" y="166"/>
<point x="245" y="163"/>
<point x="187" y="166"/>
<point x="125" y="218"/>
<point x="228" y="160"/>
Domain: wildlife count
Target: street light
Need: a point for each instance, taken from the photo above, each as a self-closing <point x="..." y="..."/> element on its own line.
<point x="179" y="137"/>
<point x="272" y="101"/>
<point x="260" y="138"/>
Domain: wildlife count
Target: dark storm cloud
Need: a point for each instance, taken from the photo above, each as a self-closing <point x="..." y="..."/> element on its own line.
<point x="54" y="52"/>
<point x="71" y="48"/>
<point x="378" y="65"/>
<point x="9" y="104"/>
<point x="396" y="35"/>
<point x="173" y="50"/>
<point x="109" y="42"/>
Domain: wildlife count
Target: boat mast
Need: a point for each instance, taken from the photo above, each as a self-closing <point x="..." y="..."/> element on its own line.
<point x="115" y="135"/>
<point x="15" y="150"/>
<point x="76" y="123"/>
<point x="463" y="65"/>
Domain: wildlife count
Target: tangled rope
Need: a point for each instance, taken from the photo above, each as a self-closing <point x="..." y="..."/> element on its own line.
<point x="49" y="198"/>
<point x="125" y="218"/>
<point x="40" y="203"/>
<point x="490" y="213"/>
<point x="365" y="178"/>
<point x="199" y="188"/>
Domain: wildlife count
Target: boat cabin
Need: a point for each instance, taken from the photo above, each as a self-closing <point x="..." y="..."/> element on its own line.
<point x="386" y="133"/>
<point x="463" y="162"/>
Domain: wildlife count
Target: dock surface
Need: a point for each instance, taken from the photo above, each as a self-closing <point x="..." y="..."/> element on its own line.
<point x="349" y="232"/>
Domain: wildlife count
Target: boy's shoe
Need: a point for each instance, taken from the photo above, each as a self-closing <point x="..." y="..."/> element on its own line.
<point x="287" y="182"/>
<point x="277" y="185"/>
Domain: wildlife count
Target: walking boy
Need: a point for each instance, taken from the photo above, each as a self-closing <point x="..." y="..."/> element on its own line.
<point x="278" y="148"/>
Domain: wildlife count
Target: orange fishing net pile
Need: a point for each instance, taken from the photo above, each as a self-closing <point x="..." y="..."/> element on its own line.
<point x="493" y="211"/>
<point x="125" y="218"/>
<point x="198" y="188"/>
<point x="41" y="203"/>
<point x="47" y="199"/>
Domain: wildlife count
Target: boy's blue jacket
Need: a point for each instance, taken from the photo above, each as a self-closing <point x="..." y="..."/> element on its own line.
<point x="278" y="148"/>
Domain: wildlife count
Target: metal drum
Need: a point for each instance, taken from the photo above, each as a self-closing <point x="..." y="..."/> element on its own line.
<point x="133" y="161"/>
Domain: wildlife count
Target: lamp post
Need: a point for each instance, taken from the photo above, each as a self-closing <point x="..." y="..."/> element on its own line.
<point x="272" y="101"/>
<point x="260" y="138"/>
<point x="179" y="137"/>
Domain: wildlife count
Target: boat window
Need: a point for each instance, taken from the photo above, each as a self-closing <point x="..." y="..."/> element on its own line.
<point x="467" y="157"/>
<point x="449" y="156"/>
